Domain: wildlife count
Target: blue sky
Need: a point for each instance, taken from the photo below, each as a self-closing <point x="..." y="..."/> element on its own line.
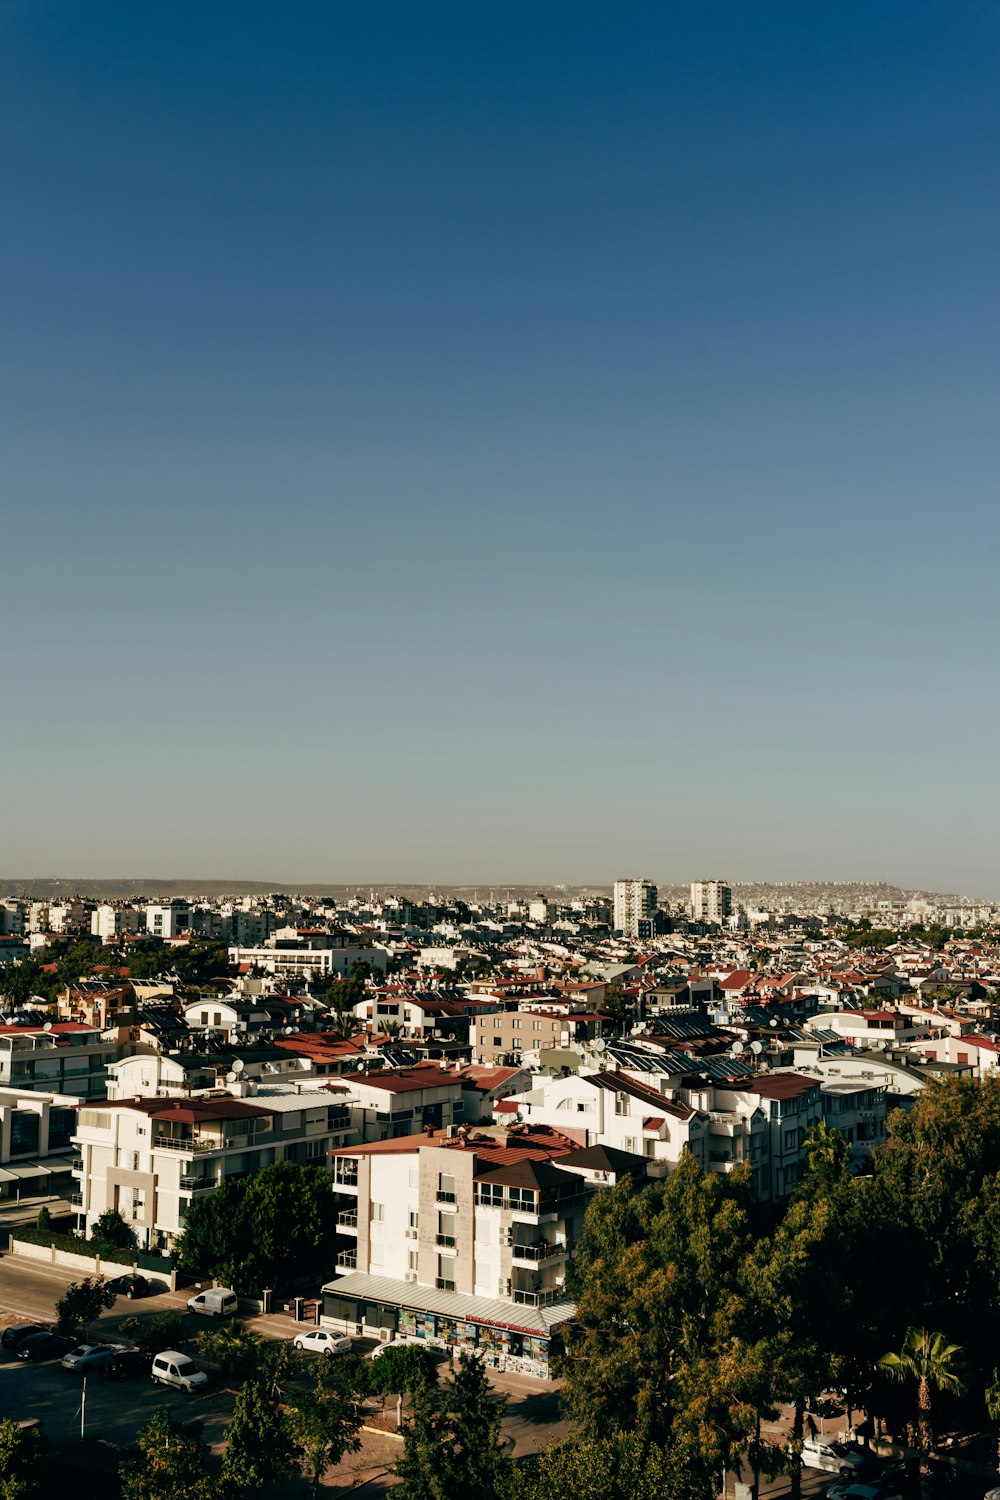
<point x="500" y="443"/>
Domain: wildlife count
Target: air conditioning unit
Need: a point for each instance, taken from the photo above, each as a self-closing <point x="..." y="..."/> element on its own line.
<point x="410" y="1276"/>
<point x="411" y="1234"/>
<point x="359" y="1329"/>
<point x="384" y="1335"/>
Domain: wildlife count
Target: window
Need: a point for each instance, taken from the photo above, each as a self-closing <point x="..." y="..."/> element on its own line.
<point x="414" y="1220"/>
<point x="516" y="1023"/>
<point x="536" y="1025"/>
<point x="446" y="1187"/>
<point x="378" y="1213"/>
<point x="23" y="1133"/>
<point x="412" y="1257"/>
<point x="497" y="1041"/>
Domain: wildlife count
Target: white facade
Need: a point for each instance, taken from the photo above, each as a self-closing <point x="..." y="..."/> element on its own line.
<point x="110" y="922"/>
<point x="711" y="901"/>
<point x="634" y="904"/>
<point x="308" y="961"/>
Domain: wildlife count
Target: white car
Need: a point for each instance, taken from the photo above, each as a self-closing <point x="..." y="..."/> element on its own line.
<point x="320" y="1341"/>
<point x="835" y="1458"/>
<point x="861" y="1492"/>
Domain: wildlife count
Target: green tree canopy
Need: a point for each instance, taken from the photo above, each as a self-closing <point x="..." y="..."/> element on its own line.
<point x="83" y="1302"/>
<point x="172" y="1465"/>
<point x="262" y="1231"/>
<point x="259" y="1446"/>
<point x="21" y="1451"/>
<point x="111" y="1234"/>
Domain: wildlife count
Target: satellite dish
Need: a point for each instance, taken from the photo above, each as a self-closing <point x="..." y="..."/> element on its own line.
<point x="287" y="1030"/>
<point x="600" y="1045"/>
<point x="238" y="1065"/>
<point x="47" y="1026"/>
<point x="773" y="1021"/>
<point x="737" y="1048"/>
<point x="231" y="1077"/>
<point x="756" y="1048"/>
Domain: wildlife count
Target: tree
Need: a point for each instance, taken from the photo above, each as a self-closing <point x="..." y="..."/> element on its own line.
<point x="264" y="1230"/>
<point x="453" y="1444"/>
<point x="21" y="1450"/>
<point x="43" y="1220"/>
<point x="259" y="1448"/>
<point x="235" y="1348"/>
<point x="172" y="1465"/>
<point x="83" y="1302"/>
<point x="992" y="1395"/>
<point x="323" y="1425"/>
<point x="930" y="1361"/>
<point x="401" y="1368"/>
<point x="621" y="1467"/>
<point x="111" y="1234"/>
<point x="163" y="1331"/>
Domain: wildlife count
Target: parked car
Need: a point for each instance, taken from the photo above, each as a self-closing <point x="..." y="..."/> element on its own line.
<point x="220" y="1302"/>
<point x="173" y="1368"/>
<point x="43" y="1346"/>
<point x="131" y="1286"/>
<point x="127" y="1365"/>
<point x="85" y="1356"/>
<point x="12" y="1336"/>
<point x="835" y="1458"/>
<point x="321" y="1341"/>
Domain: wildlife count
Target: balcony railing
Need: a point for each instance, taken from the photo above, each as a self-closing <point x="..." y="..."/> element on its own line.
<point x="76" y="1164"/>
<point x="347" y="1220"/>
<point x="446" y="1241"/>
<point x="347" y="1260"/>
<point x="537" y="1252"/>
<point x="443" y="1197"/>
<point x="444" y="1285"/>
<point x="191" y="1182"/>
<point x="76" y="1199"/>
<point x="172" y="1143"/>
<point x="536" y="1299"/>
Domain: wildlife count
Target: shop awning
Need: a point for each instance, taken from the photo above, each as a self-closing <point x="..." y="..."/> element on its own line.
<point x="539" y="1321"/>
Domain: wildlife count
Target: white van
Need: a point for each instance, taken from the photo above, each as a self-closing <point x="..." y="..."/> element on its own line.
<point x="218" y="1303"/>
<point x="173" y="1368"/>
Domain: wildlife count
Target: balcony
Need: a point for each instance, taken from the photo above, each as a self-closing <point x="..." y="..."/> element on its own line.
<point x="444" y="1285"/>
<point x="536" y="1299"/>
<point x="191" y="1182"/>
<point x="537" y="1252"/>
<point x="76" y="1200"/>
<point x="347" y="1260"/>
<point x="189" y="1146"/>
<point x="348" y="1219"/>
<point x="76" y="1164"/>
<point x="339" y="1122"/>
<point x="443" y="1197"/>
<point x="445" y="1241"/>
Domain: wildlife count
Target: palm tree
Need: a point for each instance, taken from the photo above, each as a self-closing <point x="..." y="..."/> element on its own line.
<point x="932" y="1362"/>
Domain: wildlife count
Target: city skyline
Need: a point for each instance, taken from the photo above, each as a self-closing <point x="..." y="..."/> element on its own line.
<point x="538" y="444"/>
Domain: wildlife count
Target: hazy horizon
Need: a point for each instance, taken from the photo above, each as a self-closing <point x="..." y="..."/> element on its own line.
<point x="535" y="440"/>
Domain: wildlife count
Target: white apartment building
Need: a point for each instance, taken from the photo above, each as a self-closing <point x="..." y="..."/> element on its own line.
<point x="148" y="1158"/>
<point x="711" y="901"/>
<point x="36" y="1131"/>
<point x="614" y="1110"/>
<point x="168" y="921"/>
<point x="110" y="922"/>
<point x="395" y="1102"/>
<point x="69" y="916"/>
<point x="305" y="962"/>
<point x="635" y="907"/>
<point x="463" y="1242"/>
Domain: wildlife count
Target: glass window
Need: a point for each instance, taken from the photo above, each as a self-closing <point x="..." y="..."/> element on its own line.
<point x="23" y="1133"/>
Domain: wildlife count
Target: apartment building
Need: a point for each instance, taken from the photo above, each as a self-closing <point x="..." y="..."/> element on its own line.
<point x="711" y="901"/>
<point x="305" y="962"/>
<point x="395" y="1102"/>
<point x="148" y="1158"/>
<point x="635" y="908"/>
<point x="503" y="1035"/>
<point x="36" y="1131"/>
<point x="62" y="1057"/>
<point x="111" y="922"/>
<point x="462" y="1241"/>
<point x="615" y="1110"/>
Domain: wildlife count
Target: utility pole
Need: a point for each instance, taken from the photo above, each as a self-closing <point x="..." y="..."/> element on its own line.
<point x="83" y="1409"/>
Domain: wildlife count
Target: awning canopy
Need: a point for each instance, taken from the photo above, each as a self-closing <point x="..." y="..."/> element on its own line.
<point x="539" y="1321"/>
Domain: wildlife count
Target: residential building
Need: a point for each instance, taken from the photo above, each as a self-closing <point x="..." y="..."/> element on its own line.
<point x="711" y="901"/>
<point x="60" y="1057"/>
<point x="111" y="922"/>
<point x="504" y="1035"/>
<point x="304" y="962"/>
<point x="149" y="1158"/>
<point x="395" y="1102"/>
<point x="463" y="1242"/>
<point x="36" y="1131"/>
<point x="635" y="908"/>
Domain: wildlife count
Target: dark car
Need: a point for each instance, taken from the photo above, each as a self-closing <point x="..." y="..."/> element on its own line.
<point x="44" y="1346"/>
<point x="131" y="1286"/>
<point x="130" y="1364"/>
<point x="12" y="1336"/>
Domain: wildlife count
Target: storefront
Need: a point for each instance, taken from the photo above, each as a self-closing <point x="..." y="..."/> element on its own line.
<point x="364" y="1307"/>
